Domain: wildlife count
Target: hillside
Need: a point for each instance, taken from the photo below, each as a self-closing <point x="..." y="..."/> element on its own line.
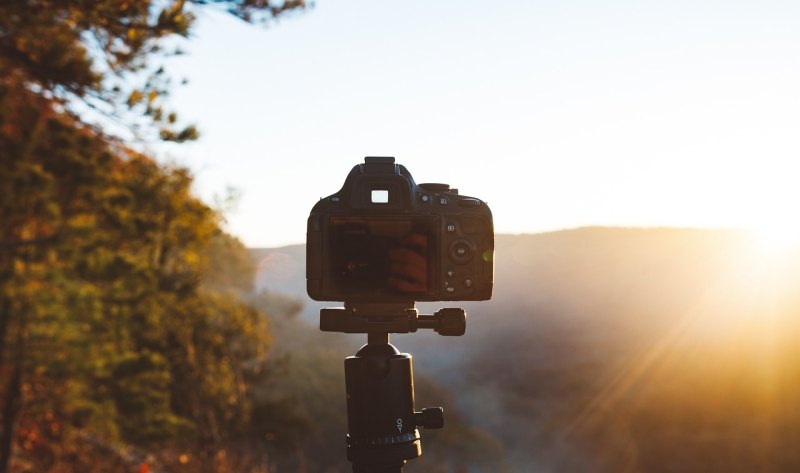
<point x="613" y="349"/>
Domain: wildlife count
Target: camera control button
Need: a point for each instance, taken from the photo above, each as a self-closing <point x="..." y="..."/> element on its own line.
<point x="450" y="289"/>
<point x="451" y="273"/>
<point x="442" y="200"/>
<point x="451" y="227"/>
<point x="468" y="282"/>
<point x="425" y="198"/>
<point x="461" y="251"/>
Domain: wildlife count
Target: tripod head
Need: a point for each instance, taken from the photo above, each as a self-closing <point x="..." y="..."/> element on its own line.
<point x="382" y="423"/>
<point x="391" y="318"/>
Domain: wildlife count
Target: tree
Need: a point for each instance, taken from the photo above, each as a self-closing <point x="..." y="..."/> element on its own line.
<point x="102" y="54"/>
<point x="106" y="304"/>
<point x="109" y="328"/>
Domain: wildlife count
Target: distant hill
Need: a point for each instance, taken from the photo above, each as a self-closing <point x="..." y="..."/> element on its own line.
<point x="620" y="349"/>
<point x="281" y="269"/>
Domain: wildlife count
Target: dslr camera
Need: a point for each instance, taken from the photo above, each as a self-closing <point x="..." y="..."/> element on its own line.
<point x="384" y="239"/>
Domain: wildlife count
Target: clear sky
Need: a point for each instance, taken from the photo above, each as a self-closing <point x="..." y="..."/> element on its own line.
<point x="557" y="113"/>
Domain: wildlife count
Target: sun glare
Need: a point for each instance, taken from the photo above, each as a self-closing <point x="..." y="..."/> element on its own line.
<point x="777" y="238"/>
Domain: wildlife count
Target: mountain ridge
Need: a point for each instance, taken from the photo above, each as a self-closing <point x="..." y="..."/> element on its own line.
<point x="603" y="345"/>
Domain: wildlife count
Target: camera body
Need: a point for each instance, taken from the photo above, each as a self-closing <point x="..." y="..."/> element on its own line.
<point x="382" y="238"/>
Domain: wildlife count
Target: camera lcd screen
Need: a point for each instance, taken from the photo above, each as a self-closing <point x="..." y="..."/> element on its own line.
<point x="382" y="256"/>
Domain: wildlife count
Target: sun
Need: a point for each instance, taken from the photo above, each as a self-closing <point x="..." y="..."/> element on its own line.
<point x="778" y="237"/>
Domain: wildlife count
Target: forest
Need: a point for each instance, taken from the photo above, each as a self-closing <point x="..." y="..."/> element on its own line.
<point x="138" y="336"/>
<point x="125" y="344"/>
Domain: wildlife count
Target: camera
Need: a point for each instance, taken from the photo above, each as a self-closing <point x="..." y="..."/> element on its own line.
<point x="382" y="238"/>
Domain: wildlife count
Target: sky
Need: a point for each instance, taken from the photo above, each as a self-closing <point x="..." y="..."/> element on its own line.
<point x="558" y="114"/>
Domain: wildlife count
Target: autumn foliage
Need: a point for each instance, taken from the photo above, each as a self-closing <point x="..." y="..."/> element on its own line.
<point x="117" y="331"/>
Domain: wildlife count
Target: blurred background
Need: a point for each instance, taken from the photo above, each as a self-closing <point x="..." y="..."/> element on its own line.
<point x="158" y="160"/>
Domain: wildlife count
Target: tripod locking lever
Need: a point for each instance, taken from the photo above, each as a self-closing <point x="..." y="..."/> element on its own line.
<point x="430" y="418"/>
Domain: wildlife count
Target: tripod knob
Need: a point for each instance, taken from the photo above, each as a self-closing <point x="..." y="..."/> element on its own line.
<point x="450" y="322"/>
<point x="430" y="418"/>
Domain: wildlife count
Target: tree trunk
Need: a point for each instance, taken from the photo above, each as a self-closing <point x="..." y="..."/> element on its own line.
<point x="5" y="321"/>
<point x="11" y="408"/>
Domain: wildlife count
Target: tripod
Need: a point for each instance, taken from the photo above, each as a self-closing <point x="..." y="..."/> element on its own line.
<point x="379" y="382"/>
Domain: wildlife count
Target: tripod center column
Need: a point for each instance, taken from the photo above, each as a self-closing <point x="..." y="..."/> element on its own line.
<point x="380" y="404"/>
